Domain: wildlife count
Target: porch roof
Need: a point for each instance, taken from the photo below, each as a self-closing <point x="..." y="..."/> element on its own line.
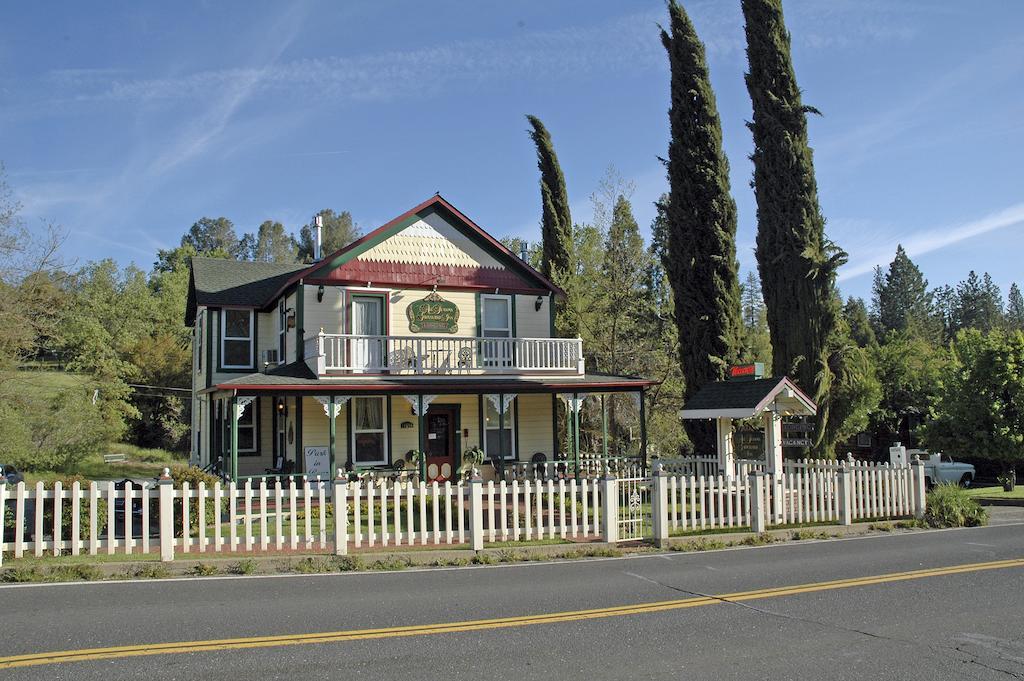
<point x="739" y="399"/>
<point x="298" y="378"/>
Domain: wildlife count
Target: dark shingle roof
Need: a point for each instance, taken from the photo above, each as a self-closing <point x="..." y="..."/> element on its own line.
<point x="219" y="281"/>
<point x="749" y="397"/>
<point x="732" y="394"/>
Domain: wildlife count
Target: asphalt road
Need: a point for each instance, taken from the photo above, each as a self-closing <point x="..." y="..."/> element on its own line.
<point x="965" y="625"/>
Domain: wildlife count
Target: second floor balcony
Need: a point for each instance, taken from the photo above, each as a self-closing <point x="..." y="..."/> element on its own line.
<point x="328" y="354"/>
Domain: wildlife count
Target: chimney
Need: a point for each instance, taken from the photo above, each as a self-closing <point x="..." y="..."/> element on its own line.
<point x="522" y="251"/>
<point x="318" y="221"/>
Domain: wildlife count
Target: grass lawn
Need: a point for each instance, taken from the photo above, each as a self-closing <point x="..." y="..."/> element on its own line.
<point x="996" y="492"/>
<point x="140" y="463"/>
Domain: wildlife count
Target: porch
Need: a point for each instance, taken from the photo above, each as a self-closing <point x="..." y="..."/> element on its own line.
<point x="422" y="429"/>
<point x="328" y="354"/>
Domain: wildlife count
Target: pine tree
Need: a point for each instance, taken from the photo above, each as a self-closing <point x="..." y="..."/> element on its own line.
<point x="756" y="343"/>
<point x="337" y="232"/>
<point x="556" y="221"/>
<point x="701" y="254"/>
<point x="856" y="314"/>
<point x="902" y="298"/>
<point x="977" y="304"/>
<point x="1015" y="308"/>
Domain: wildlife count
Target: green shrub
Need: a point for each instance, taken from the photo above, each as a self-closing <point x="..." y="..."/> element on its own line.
<point x="243" y="567"/>
<point x="73" y="573"/>
<point x="949" y="505"/>
<point x="392" y="563"/>
<point x="802" y="535"/>
<point x="700" y="544"/>
<point x="349" y="563"/>
<point x="483" y="559"/>
<point x="758" y="540"/>
<point x="203" y="570"/>
<point x="21" y="574"/>
<point x="312" y="565"/>
<point x="153" y="571"/>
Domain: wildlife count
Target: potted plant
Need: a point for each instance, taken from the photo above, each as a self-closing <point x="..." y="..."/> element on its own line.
<point x="471" y="458"/>
<point x="1008" y="479"/>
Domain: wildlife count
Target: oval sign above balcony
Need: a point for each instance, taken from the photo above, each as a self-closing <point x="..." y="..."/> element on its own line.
<point x="433" y="314"/>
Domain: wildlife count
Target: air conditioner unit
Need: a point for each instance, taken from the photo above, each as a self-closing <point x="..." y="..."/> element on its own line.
<point x="270" y="358"/>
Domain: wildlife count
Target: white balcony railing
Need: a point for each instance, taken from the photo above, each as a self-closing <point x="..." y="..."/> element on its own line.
<point x="348" y="353"/>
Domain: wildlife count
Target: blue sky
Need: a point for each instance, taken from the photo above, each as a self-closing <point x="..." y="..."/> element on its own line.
<point x="125" y="124"/>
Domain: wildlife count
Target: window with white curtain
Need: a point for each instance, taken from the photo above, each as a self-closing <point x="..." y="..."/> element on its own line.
<point x="369" y="431"/>
<point x="499" y="435"/>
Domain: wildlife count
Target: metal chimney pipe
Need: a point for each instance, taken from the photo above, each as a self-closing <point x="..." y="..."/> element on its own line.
<point x="522" y="251"/>
<point x="318" y="221"/>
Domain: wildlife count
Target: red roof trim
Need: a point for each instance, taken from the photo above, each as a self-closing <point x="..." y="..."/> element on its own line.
<point x="321" y="388"/>
<point x="437" y="199"/>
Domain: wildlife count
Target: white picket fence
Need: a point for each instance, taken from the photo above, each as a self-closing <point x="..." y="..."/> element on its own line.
<point x="379" y="513"/>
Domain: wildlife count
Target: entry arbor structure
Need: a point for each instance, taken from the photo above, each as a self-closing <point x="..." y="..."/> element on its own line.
<point x="769" y="399"/>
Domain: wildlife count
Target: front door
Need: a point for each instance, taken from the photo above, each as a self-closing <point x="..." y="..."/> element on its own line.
<point x="441" y="428"/>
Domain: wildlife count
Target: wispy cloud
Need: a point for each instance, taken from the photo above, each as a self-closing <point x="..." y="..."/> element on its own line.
<point x="927" y="241"/>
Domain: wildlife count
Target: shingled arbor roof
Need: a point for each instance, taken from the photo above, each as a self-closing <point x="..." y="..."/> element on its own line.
<point x="738" y="399"/>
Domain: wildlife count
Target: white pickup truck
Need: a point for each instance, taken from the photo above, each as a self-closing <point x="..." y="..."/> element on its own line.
<point x="937" y="467"/>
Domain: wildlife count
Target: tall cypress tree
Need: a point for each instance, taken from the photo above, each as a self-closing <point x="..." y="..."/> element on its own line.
<point x="701" y="252"/>
<point x="796" y="260"/>
<point x="556" y="221"/>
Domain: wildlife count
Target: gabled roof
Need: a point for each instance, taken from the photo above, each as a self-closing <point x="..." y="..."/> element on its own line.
<point x="223" y="282"/>
<point x="744" y="399"/>
<point x="519" y="273"/>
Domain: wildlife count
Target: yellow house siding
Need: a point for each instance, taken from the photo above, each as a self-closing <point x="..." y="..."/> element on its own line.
<point x="316" y="429"/>
<point x="530" y="322"/>
<point x="534" y="426"/>
<point x="266" y="330"/>
<point x="327" y="314"/>
<point x="465" y="300"/>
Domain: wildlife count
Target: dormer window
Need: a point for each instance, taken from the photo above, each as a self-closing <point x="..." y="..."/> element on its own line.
<point x="236" y="339"/>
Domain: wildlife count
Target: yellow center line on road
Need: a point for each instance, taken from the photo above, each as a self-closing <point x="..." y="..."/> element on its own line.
<point x="115" y="652"/>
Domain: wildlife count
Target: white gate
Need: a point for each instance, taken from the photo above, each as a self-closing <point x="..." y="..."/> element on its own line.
<point x="634" y="509"/>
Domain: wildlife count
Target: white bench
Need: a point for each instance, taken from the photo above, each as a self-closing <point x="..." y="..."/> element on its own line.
<point x="115" y="458"/>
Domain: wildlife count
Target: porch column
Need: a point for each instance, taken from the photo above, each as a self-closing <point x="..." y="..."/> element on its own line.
<point x="238" y="405"/>
<point x="233" y="438"/>
<point x="773" y="459"/>
<point x="604" y="428"/>
<point x="643" y="430"/>
<point x="576" y="435"/>
<point x="420" y="405"/>
<point x="332" y="407"/>
<point x="726" y="450"/>
<point x="772" y="443"/>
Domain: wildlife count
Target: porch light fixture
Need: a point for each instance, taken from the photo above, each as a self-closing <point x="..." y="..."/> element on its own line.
<point x="537" y="303"/>
<point x="320" y="293"/>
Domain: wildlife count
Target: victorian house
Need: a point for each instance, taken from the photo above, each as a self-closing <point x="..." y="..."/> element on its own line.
<point x="422" y="341"/>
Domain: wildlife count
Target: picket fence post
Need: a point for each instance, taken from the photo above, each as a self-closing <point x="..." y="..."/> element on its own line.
<point x="341" y="514"/>
<point x="166" y="486"/>
<point x="476" y="511"/>
<point x="659" y="504"/>
<point x="757" y="502"/>
<point x="609" y="509"/>
<point x="845" y="492"/>
<point x="920" y="496"/>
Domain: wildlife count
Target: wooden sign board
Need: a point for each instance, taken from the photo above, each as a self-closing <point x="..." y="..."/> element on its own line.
<point x="433" y="314"/>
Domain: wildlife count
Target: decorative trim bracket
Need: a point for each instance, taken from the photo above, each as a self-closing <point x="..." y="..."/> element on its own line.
<point x="338" y="402"/>
<point x="506" y="400"/>
<point x="240" y="404"/>
<point x="573" y="404"/>
<point x="414" y="400"/>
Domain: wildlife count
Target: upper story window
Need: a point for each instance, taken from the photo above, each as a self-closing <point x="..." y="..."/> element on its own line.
<point x="236" y="329"/>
